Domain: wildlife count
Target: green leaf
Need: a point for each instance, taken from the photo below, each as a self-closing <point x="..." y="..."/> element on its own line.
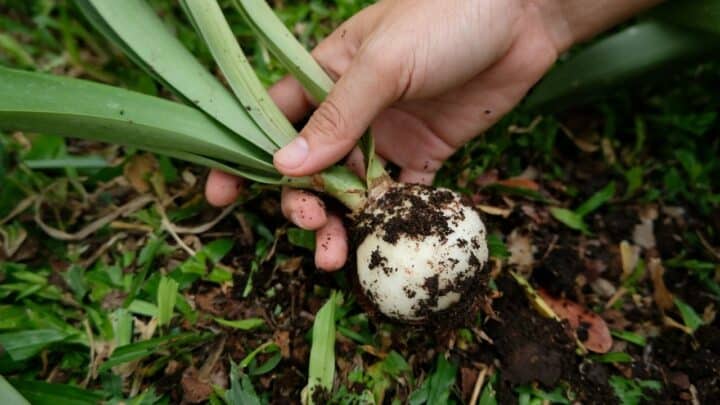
<point x="10" y="396"/>
<point x="569" y="218"/>
<point x="266" y="347"/>
<point x="596" y="200"/>
<point x="122" y="323"/>
<point x="629" y="337"/>
<point x="488" y="396"/>
<point x="13" y="317"/>
<point x="696" y="14"/>
<point x="10" y="46"/>
<point x="690" y="318"/>
<point x="135" y="28"/>
<point x="242" y="324"/>
<point x="556" y="396"/>
<point x="322" y="352"/>
<point x="141" y="307"/>
<point x="241" y="391"/>
<point x="374" y="170"/>
<point x="631" y="53"/>
<point x="630" y="392"/>
<point x="210" y="23"/>
<point x="217" y="249"/>
<point x="281" y="42"/>
<point x="497" y="247"/>
<point x="76" y="162"/>
<point x="25" y="344"/>
<point x="166" y="296"/>
<point x="77" y="108"/>
<point x="302" y="238"/>
<point x="394" y="364"/>
<point x="613" y="357"/>
<point x="145" y="348"/>
<point x="42" y="393"/>
<point x="268" y="365"/>
<point x="436" y="389"/>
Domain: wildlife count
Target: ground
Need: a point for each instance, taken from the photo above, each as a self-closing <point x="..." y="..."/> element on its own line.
<point x="101" y="300"/>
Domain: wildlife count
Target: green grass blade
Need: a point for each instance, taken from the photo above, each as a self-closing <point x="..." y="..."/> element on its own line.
<point x="322" y="351"/>
<point x="146" y="348"/>
<point x="281" y="42"/>
<point x="271" y="30"/>
<point x="166" y="294"/>
<point x="691" y="319"/>
<point x="248" y="173"/>
<point x="135" y="27"/>
<point x="242" y="324"/>
<point x="42" y="393"/>
<point x="211" y="24"/>
<point x="75" y="108"/>
<point x="8" y="394"/>
<point x="24" y="344"/>
<point x="631" y="53"/>
<point x="696" y="14"/>
<point x="75" y="162"/>
<point x="596" y="200"/>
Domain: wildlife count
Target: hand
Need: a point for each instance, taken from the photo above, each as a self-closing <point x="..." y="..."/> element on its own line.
<point x="427" y="76"/>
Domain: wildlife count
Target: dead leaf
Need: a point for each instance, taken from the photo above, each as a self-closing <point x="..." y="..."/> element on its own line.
<point x="603" y="287"/>
<point x="518" y="182"/>
<point x="497" y="211"/>
<point x="468" y="376"/>
<point x="663" y="298"/>
<point x="282" y="339"/>
<point x="11" y="238"/>
<point x="139" y="169"/>
<point x="521" y="251"/>
<point x="290" y="265"/>
<point x="487" y="178"/>
<point x="608" y="151"/>
<point x="195" y="388"/>
<point x="643" y="233"/>
<point x="709" y="314"/>
<point x="629" y="255"/>
<point x="589" y="327"/>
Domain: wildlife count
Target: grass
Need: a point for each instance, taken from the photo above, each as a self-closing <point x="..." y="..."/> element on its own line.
<point x="126" y="314"/>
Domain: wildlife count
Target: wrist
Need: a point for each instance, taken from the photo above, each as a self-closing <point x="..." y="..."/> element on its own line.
<point x="569" y="22"/>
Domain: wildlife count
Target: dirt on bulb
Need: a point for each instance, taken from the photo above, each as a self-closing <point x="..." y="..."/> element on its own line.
<point x="403" y="212"/>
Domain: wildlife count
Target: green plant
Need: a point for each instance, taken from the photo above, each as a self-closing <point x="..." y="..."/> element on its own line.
<point x="673" y="34"/>
<point x="239" y="131"/>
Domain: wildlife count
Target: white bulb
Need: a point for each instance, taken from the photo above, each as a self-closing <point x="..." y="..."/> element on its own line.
<point x="422" y="252"/>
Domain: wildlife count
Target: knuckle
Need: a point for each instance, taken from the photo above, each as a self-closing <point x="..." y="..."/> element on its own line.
<point x="328" y="121"/>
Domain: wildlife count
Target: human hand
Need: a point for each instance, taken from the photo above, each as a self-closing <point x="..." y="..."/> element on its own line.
<point x="426" y="76"/>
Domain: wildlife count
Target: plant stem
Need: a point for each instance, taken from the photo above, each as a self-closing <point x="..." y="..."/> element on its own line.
<point x="338" y="182"/>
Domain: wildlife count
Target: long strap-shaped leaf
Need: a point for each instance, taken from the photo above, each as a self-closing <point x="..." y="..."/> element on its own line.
<point x="209" y="21"/>
<point x="285" y="47"/>
<point x="271" y="30"/>
<point x="134" y="26"/>
<point x="78" y="108"/>
<point x="630" y="53"/>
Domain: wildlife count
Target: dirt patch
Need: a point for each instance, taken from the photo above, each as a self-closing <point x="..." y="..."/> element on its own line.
<point x="533" y="349"/>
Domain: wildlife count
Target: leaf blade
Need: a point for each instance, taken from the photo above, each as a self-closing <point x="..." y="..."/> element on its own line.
<point x="82" y="109"/>
<point x="281" y="42"/>
<point x="135" y="27"/>
<point x="212" y="26"/>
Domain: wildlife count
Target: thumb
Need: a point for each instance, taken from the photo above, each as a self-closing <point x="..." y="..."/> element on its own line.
<point x="366" y="88"/>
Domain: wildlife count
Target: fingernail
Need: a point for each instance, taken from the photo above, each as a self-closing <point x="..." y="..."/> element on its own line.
<point x="293" y="154"/>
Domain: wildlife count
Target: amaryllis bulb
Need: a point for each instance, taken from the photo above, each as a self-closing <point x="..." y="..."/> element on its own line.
<point x="421" y="251"/>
